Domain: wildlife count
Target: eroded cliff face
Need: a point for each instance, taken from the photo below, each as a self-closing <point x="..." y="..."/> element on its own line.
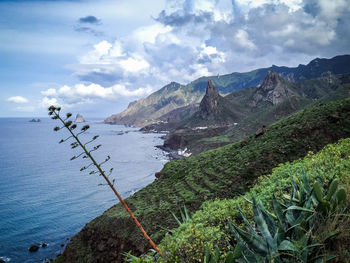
<point x="210" y="101"/>
<point x="274" y="89"/>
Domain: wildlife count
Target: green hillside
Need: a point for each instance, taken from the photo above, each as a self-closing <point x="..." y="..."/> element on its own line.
<point x="209" y="224"/>
<point x="225" y="172"/>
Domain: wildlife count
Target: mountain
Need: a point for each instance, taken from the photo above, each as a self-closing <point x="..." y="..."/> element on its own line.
<point x="253" y="107"/>
<point x="225" y="172"/>
<point x="174" y="95"/>
<point x="273" y="90"/>
<point x="214" y="110"/>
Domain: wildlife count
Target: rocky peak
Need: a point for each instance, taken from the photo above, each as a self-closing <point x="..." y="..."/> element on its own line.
<point x="209" y="103"/>
<point x="271" y="81"/>
<point x="274" y="89"/>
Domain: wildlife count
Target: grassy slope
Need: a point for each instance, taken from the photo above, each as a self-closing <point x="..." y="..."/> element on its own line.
<point x="209" y="224"/>
<point x="225" y="172"/>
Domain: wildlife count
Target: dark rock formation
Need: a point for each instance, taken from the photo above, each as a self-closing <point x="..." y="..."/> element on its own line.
<point x="274" y="89"/>
<point x="35" y="120"/>
<point x="214" y="110"/>
<point x="33" y="248"/>
<point x="209" y="103"/>
<point x="260" y="131"/>
<point x="158" y="175"/>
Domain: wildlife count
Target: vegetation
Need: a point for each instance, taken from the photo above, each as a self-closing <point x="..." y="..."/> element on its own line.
<point x="225" y="172"/>
<point x="86" y="154"/>
<point x="302" y="208"/>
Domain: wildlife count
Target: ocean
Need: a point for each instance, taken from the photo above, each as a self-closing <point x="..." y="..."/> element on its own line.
<point x="44" y="198"/>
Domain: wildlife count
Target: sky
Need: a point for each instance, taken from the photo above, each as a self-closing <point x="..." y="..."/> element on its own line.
<point x="95" y="57"/>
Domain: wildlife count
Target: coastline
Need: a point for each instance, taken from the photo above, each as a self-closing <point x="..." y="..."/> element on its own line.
<point x="171" y="154"/>
<point x="76" y="198"/>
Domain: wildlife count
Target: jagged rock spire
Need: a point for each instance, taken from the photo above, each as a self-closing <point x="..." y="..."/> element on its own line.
<point x="274" y="89"/>
<point x="271" y="80"/>
<point x="209" y="103"/>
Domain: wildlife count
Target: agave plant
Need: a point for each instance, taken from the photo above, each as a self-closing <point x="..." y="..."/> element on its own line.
<point x="286" y="235"/>
<point x="185" y="216"/>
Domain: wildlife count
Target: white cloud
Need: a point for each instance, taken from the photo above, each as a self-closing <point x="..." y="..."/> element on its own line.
<point x="47" y="102"/>
<point x="18" y="99"/>
<point x="134" y="64"/>
<point x="49" y="92"/>
<point x="193" y="38"/>
<point x="81" y="93"/>
<point x="243" y="40"/>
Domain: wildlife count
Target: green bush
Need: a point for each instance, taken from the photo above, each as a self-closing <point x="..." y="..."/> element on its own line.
<point x="209" y="225"/>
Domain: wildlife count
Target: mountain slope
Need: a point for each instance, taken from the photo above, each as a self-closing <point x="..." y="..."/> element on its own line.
<point x="148" y="110"/>
<point x="209" y="224"/>
<point x="220" y="173"/>
<point x="274" y="99"/>
<point x="213" y="110"/>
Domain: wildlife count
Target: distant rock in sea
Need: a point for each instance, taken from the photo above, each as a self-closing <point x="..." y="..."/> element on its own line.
<point x="79" y="118"/>
<point x="34" y="248"/>
<point x="35" y="120"/>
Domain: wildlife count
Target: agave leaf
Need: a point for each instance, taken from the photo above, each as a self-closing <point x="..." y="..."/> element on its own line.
<point x="290" y="198"/>
<point x="268" y="218"/>
<point x="312" y="246"/>
<point x="324" y="258"/>
<point x="245" y="198"/>
<point x="332" y="188"/>
<point x="278" y="211"/>
<point x="292" y="227"/>
<point x="299" y="208"/>
<point x="207" y="254"/>
<point x="262" y="225"/>
<point x="247" y="223"/>
<point x="295" y="189"/>
<point x="237" y="252"/>
<point x="290" y="217"/>
<point x="182" y="216"/>
<point x="287" y="245"/>
<point x="306" y="182"/>
<point x="242" y="237"/>
<point x="187" y="214"/>
<point x="177" y="220"/>
<point x="304" y="216"/>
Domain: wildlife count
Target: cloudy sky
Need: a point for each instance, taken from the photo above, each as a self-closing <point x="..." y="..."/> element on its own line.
<point x="94" y="57"/>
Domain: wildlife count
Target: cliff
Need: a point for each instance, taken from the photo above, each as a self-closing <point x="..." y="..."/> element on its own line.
<point x="220" y="173"/>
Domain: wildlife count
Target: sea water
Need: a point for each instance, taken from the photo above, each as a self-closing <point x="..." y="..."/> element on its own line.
<point x="44" y="198"/>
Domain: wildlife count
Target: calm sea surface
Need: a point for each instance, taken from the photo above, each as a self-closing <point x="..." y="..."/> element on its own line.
<point x="43" y="195"/>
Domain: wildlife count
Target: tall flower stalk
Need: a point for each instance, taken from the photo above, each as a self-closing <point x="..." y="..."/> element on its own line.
<point x="54" y="112"/>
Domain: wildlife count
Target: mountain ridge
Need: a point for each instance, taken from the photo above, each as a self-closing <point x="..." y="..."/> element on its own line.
<point x="253" y="107"/>
<point x="174" y="95"/>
